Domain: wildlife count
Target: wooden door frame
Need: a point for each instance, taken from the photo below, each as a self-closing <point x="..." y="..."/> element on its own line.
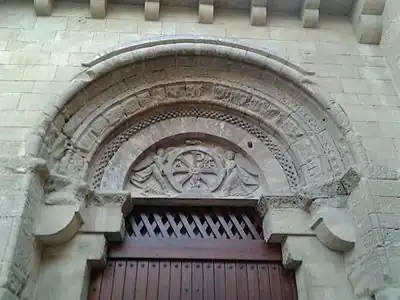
<point x="215" y="249"/>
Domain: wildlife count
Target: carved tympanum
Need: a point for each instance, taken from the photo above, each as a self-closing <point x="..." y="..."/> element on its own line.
<point x="195" y="169"/>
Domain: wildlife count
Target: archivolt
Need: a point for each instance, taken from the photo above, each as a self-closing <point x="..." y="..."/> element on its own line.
<point x="143" y="83"/>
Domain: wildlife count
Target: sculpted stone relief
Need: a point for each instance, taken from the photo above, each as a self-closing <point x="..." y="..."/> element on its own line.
<point x="195" y="169"/>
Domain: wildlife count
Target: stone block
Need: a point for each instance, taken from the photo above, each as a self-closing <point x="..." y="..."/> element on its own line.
<point x="334" y="228"/>
<point x="39" y="73"/>
<point x="280" y="223"/>
<point x="310" y="13"/>
<point x="107" y="220"/>
<point x="5" y="294"/>
<point x="151" y="10"/>
<point x="258" y="15"/>
<point x="98" y="8"/>
<point x="206" y="13"/>
<point x="391" y="293"/>
<point x="70" y="262"/>
<point x="58" y="224"/>
<point x="368" y="29"/>
<point x="43" y="7"/>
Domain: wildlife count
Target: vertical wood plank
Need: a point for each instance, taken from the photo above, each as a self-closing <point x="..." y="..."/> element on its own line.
<point x="253" y="282"/>
<point x="230" y="271"/>
<point x="241" y="281"/>
<point x="197" y="281"/>
<point x="264" y="282"/>
<point x="186" y="291"/>
<point x="176" y="280"/>
<point x="219" y="279"/>
<point x="141" y="280"/>
<point x="275" y="281"/>
<point x="95" y="284"/>
<point x="118" y="283"/>
<point x="208" y="281"/>
<point x="107" y="282"/>
<point x="152" y="281"/>
<point x="164" y="280"/>
<point x="286" y="283"/>
<point x="294" y="285"/>
<point x="130" y="280"/>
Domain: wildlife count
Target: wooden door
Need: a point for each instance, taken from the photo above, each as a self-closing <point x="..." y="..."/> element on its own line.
<point x="185" y="253"/>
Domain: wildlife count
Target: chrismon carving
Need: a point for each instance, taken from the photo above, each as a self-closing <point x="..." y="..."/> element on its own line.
<point x="264" y="137"/>
<point x="195" y="170"/>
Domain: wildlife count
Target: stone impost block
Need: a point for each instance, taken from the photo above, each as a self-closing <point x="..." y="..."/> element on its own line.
<point x="279" y="223"/>
<point x="58" y="224"/>
<point x="43" y="7"/>
<point x="98" y="8"/>
<point x="310" y="13"/>
<point x="107" y="220"/>
<point x="334" y="228"/>
<point x="151" y="10"/>
<point x="206" y="13"/>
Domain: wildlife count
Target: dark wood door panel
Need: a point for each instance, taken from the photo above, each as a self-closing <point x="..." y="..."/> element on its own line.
<point x="192" y="280"/>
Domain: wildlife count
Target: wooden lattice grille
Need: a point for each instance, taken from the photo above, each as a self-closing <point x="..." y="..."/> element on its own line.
<point x="236" y="223"/>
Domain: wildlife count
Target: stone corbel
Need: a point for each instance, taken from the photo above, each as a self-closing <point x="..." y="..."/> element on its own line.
<point x="258" y="12"/>
<point x="206" y="11"/>
<point x="310" y="13"/>
<point x="334" y="228"/>
<point x="152" y="10"/>
<point x="43" y="7"/>
<point x="58" y="224"/>
<point x="367" y="20"/>
<point x="98" y="8"/>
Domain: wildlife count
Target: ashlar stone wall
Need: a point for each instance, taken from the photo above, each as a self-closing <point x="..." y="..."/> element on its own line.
<point x="39" y="56"/>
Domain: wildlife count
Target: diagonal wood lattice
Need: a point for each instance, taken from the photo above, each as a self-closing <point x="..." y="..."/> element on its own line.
<point x="195" y="223"/>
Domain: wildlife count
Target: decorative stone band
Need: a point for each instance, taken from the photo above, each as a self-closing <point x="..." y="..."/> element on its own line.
<point x="337" y="186"/>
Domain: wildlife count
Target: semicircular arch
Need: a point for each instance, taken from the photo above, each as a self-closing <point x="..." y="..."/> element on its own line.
<point x="137" y="87"/>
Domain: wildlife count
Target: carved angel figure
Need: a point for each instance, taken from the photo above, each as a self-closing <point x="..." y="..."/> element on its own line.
<point x="239" y="180"/>
<point x="153" y="169"/>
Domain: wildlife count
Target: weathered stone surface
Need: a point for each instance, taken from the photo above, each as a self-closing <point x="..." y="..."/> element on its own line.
<point x="151" y="10"/>
<point x="57" y="267"/>
<point x="57" y="224"/>
<point x="310" y="13"/>
<point x="318" y="269"/>
<point x="367" y="94"/>
<point x="334" y="228"/>
<point x="107" y="220"/>
<point x="279" y="223"/>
